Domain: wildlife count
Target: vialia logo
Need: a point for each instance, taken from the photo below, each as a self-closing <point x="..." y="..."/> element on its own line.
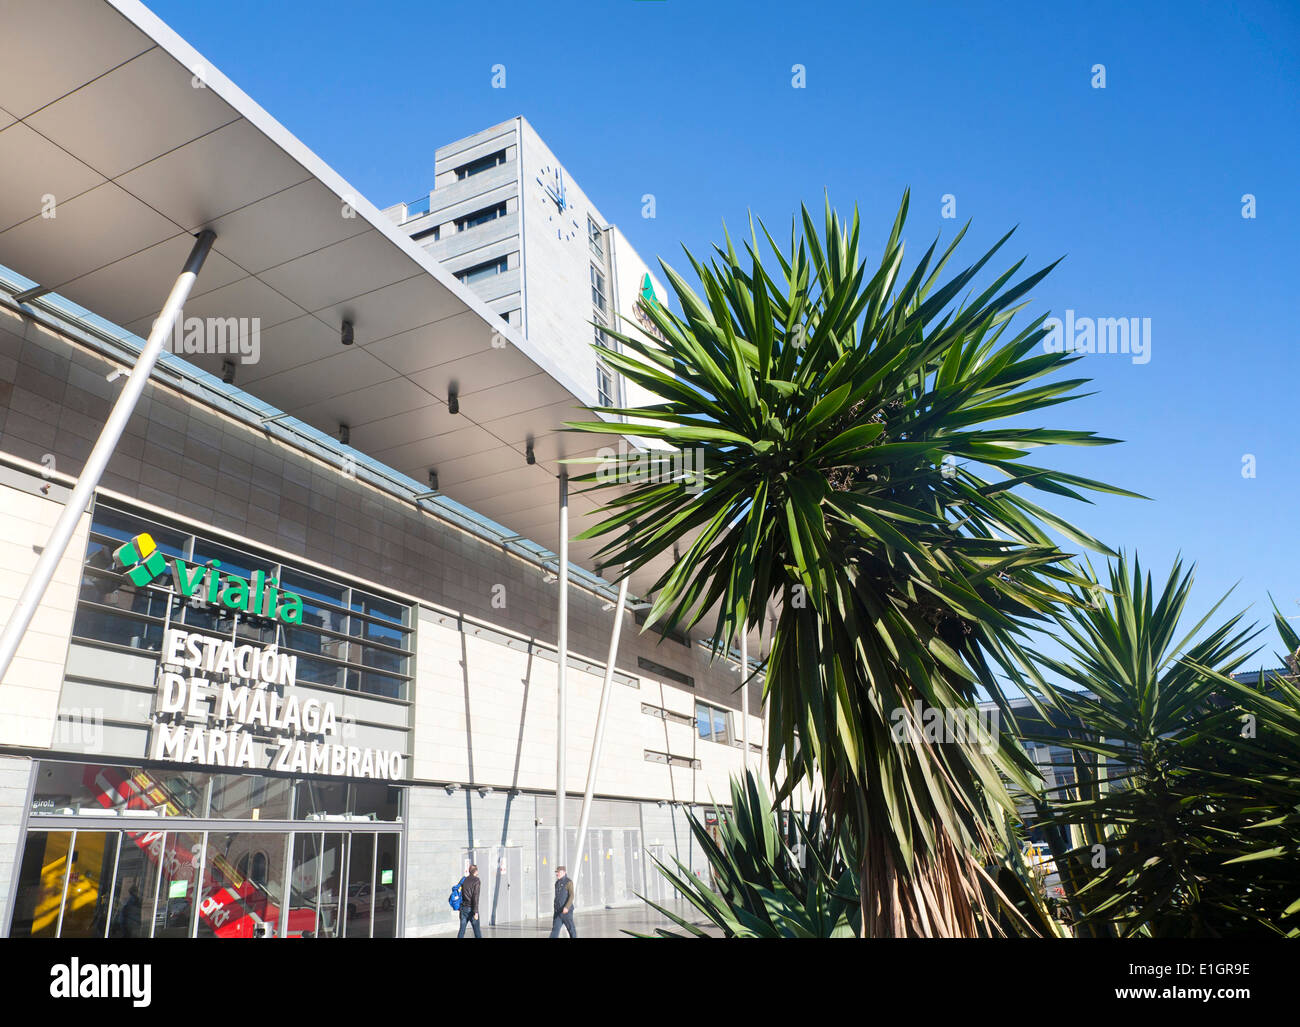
<point x="144" y="563"/>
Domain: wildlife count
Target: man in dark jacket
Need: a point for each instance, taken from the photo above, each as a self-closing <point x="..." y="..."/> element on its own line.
<point x="469" y="892"/>
<point x="563" y="904"/>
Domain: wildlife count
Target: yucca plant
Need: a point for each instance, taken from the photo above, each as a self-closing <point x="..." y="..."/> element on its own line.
<point x="864" y="439"/>
<point x="762" y="891"/>
<point x="1182" y="819"/>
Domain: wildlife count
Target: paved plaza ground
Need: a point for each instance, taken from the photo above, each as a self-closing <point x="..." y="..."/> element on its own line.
<point x="593" y="923"/>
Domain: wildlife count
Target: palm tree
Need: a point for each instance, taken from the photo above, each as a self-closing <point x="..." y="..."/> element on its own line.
<point x="846" y="418"/>
<point x="1180" y="821"/>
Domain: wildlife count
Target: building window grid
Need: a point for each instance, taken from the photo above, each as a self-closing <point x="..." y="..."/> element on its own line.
<point x="481" y="217"/>
<point x="715" y="724"/>
<point x="598" y="289"/>
<point x="474" y="167"/>
<point x="488" y="269"/>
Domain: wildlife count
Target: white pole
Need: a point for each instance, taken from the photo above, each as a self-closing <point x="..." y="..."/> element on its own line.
<point x="606" y="687"/>
<point x="762" y="769"/>
<point x="744" y="690"/>
<point x="562" y="660"/>
<point x="61" y="534"/>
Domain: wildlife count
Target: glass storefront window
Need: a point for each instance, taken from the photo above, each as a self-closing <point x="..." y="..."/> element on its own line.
<point x="41" y="878"/>
<point x="381" y="633"/>
<point x="385" y="892"/>
<point x="120" y="527"/>
<point x="382" y="609"/>
<point x="135" y="885"/>
<point x="358" y="800"/>
<point x="178" y="884"/>
<point x="311" y="587"/>
<point x="108" y="627"/>
<point x="86" y="905"/>
<point x="70" y="789"/>
<point x="360" y="896"/>
<point x="243" y="885"/>
<point x="316" y="881"/>
<point x="318" y="672"/>
<point x="317" y="800"/>
<point x="181" y="856"/>
<point x="251" y="797"/>
<point x="232" y="562"/>
<point x="376" y="684"/>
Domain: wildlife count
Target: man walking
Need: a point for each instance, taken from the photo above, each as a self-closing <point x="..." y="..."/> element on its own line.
<point x="563" y="904"/>
<point x="469" y="892"/>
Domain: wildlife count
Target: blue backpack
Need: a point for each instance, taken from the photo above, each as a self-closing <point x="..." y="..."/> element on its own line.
<point x="453" y="900"/>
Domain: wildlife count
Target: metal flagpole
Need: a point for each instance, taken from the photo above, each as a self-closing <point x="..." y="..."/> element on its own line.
<point x="562" y="660"/>
<point x="61" y="534"/>
<point x="606" y="687"/>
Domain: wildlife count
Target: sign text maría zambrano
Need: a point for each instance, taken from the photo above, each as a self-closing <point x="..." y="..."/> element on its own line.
<point x="143" y="562"/>
<point x="219" y="704"/>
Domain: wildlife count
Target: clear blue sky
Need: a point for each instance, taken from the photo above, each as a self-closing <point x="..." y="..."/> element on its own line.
<point x="1138" y="185"/>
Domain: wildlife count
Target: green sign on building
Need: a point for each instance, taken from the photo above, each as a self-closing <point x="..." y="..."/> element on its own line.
<point x="144" y="563"/>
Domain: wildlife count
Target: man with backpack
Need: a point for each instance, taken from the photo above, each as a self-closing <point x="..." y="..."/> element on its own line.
<point x="563" y="904"/>
<point x="469" y="892"/>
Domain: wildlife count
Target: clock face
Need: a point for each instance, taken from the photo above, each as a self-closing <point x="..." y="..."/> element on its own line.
<point x="554" y="196"/>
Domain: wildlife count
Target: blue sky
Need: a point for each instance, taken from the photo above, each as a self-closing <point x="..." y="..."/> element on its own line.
<point x="1138" y="185"/>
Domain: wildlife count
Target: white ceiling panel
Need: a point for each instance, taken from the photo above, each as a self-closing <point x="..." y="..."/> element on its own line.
<point x="247" y="297"/>
<point x="217" y="173"/>
<point x="303" y="340"/>
<point x="535" y="489"/>
<point x="466" y="469"/>
<point x="286" y="225"/>
<point x="433" y="344"/>
<point x="532" y="393"/>
<point x="137" y="286"/>
<point x="365" y="405"/>
<point x="35" y="168"/>
<point x="343" y="271"/>
<point x="50" y="48"/>
<point x="418" y="300"/>
<point x="91" y="231"/>
<point x="447" y="437"/>
<point x="517" y="427"/>
<point x="351" y="369"/>
<point x="485" y="369"/>
<point x="166" y="110"/>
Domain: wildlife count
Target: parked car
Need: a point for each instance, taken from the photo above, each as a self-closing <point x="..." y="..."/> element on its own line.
<point x="359" y="899"/>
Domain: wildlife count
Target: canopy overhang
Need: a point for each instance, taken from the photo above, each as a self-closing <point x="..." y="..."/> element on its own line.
<point x="119" y="142"/>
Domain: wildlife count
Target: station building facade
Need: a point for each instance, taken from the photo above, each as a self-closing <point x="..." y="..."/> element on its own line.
<point x="266" y="695"/>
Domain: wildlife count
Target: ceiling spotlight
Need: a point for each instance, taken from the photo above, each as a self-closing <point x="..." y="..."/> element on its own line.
<point x="228" y="372"/>
<point x="485" y="791"/>
<point x="453" y="400"/>
<point x="529" y="455"/>
<point x="452" y="788"/>
<point x="347" y="333"/>
<point x="345" y="434"/>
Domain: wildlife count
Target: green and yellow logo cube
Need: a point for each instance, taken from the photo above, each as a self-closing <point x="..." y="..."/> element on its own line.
<point x="141" y="559"/>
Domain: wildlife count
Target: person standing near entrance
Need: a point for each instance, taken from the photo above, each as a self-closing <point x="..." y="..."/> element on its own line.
<point x="563" y="904"/>
<point x="469" y="892"/>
